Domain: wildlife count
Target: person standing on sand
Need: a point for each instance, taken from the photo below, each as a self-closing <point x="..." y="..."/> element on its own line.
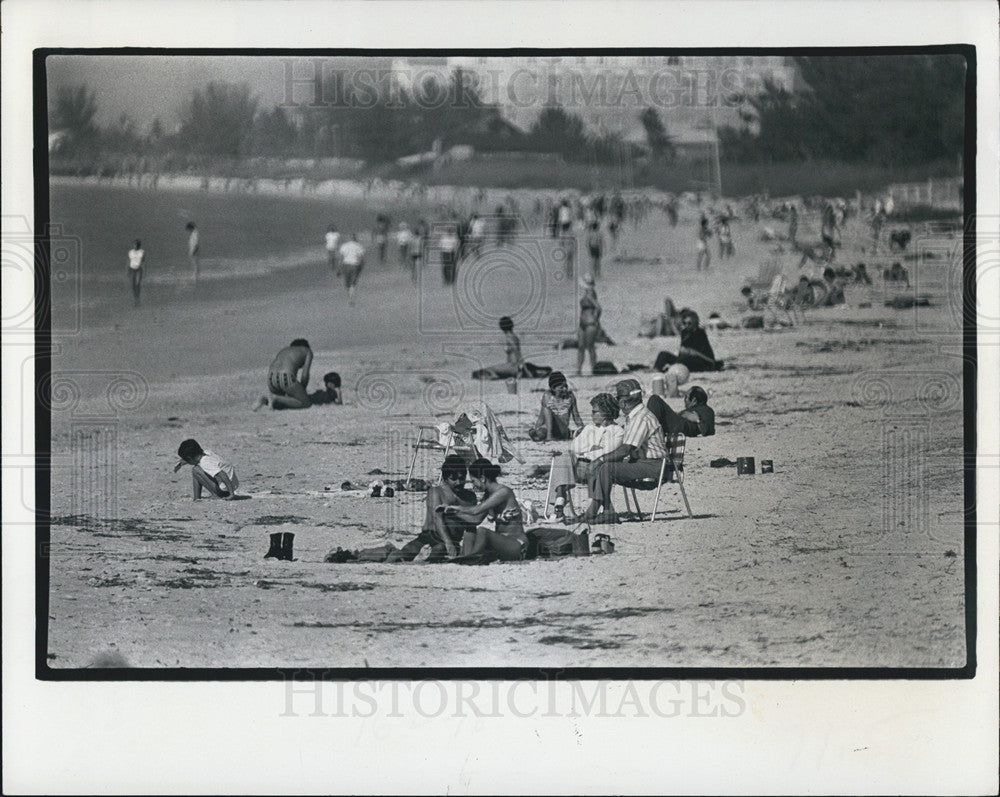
<point x="704" y="255"/>
<point x="352" y="260"/>
<point x="590" y="325"/>
<point x="135" y="257"/>
<point x="288" y="378"/>
<point x="192" y="229"/>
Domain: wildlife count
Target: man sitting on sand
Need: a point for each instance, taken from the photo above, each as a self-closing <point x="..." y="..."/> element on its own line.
<point x="288" y="377"/>
<point x="442" y="532"/>
<point x="638" y="457"/>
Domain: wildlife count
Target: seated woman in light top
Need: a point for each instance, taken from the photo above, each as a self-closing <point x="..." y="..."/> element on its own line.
<point x="596" y="439"/>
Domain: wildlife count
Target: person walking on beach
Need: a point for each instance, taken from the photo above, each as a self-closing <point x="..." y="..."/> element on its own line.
<point x="403" y="236"/>
<point x="331" y="243"/>
<point x="595" y="245"/>
<point x="380" y="236"/>
<point x="352" y="260"/>
<point x="288" y="378"/>
<point x="449" y="243"/>
<point x="135" y="257"/>
<point x="793" y="224"/>
<point x="192" y="229"/>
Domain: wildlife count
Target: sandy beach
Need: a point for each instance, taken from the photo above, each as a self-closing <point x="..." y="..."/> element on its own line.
<point x="849" y="555"/>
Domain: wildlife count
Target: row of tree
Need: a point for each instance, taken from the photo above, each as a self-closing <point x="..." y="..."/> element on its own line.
<point x="224" y="120"/>
<point x="889" y="110"/>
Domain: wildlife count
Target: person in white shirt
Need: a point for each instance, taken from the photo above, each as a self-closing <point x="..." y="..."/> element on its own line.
<point x="136" y="255"/>
<point x="352" y="260"/>
<point x="403" y="236"/>
<point x="448" y="243"/>
<point x="332" y="244"/>
<point x="598" y="438"/>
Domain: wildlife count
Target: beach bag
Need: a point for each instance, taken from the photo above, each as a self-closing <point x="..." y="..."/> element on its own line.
<point x="552" y="543"/>
<point x="604" y="368"/>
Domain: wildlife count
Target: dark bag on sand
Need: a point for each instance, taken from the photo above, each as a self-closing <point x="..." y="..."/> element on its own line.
<point x="550" y="543"/>
<point x="604" y="368"/>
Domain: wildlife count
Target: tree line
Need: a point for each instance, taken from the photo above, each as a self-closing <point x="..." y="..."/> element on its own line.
<point x="885" y="110"/>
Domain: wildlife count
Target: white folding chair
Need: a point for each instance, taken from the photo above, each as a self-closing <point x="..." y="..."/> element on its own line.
<point x="430" y="443"/>
<point x="675" y="454"/>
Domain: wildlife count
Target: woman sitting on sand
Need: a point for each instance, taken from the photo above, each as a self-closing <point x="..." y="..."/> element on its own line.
<point x="508" y="540"/>
<point x="515" y="365"/>
<point x="695" y="351"/>
<point x="557" y="411"/>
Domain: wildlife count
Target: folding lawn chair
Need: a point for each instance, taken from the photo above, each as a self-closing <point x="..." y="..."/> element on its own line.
<point x="675" y="474"/>
<point x="456" y="443"/>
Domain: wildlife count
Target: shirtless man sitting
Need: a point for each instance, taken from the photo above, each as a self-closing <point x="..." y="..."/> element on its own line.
<point x="442" y="532"/>
<point x="288" y="377"/>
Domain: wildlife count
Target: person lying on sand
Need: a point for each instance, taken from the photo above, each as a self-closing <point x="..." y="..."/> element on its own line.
<point x="508" y="541"/>
<point x="330" y="394"/>
<point x="208" y="471"/>
<point x="695" y="351"/>
<point x="558" y="409"/>
<point x="288" y="377"/>
<point x="697" y="419"/>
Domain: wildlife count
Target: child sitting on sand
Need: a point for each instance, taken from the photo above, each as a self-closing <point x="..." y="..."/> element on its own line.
<point x="208" y="470"/>
<point x="558" y="408"/>
<point x="331" y="391"/>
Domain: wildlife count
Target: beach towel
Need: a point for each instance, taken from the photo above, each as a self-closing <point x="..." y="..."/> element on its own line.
<point x="490" y="439"/>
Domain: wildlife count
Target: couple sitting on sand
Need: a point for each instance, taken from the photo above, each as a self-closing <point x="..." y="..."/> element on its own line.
<point x="451" y="523"/>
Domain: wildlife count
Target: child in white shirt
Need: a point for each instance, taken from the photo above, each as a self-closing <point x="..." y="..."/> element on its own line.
<point x="209" y="471"/>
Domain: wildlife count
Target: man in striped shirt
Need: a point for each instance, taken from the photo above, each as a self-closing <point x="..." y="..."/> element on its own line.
<point x="638" y="457"/>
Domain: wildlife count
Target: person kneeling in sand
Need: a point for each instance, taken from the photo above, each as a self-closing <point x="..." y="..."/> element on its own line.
<point x="208" y="471"/>
<point x="288" y="377"/>
<point x="508" y="541"/>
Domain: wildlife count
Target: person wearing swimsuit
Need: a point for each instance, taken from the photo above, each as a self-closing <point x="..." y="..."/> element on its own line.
<point x="288" y="378"/>
<point x="507" y="540"/>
